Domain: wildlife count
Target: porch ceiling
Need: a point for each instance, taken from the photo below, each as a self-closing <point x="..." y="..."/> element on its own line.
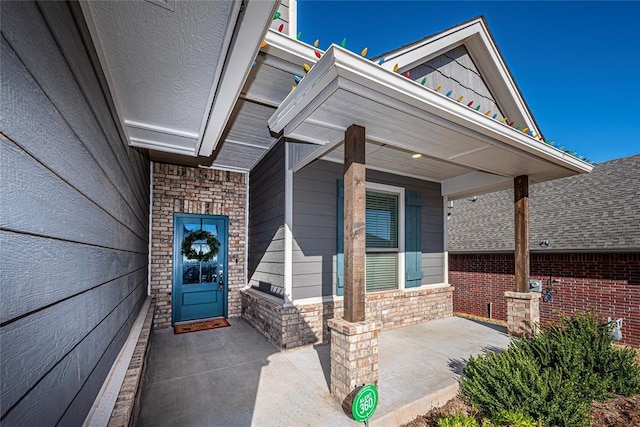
<point x="468" y="152"/>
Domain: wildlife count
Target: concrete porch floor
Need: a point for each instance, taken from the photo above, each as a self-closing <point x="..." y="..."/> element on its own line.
<point x="235" y="377"/>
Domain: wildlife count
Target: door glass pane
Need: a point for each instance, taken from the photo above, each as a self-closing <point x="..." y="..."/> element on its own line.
<point x="199" y="264"/>
<point x="210" y="266"/>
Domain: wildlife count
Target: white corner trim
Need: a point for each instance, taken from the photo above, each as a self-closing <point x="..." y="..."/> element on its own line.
<point x="445" y="238"/>
<point x="100" y="412"/>
<point x="248" y="34"/>
<point x="150" y="225"/>
<point x="293" y="18"/>
<point x="246" y="232"/>
<point x="288" y="228"/>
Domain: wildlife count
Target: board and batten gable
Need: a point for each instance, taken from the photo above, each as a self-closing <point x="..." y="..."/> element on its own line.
<point x="266" y="222"/>
<point x="315" y="233"/>
<point x="73" y="219"/>
<point x="455" y="71"/>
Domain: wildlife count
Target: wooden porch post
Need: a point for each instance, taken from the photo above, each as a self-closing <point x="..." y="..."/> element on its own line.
<point x="521" y="211"/>
<point x="354" y="224"/>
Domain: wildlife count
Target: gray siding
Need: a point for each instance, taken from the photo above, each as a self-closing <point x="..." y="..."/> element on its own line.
<point x="314" y="227"/>
<point x="266" y="222"/>
<point x="73" y="220"/>
<point x="455" y="71"/>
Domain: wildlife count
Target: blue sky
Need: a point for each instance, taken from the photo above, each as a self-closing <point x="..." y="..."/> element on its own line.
<point x="577" y="63"/>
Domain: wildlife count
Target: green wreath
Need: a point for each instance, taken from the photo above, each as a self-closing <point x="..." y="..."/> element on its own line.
<point x="212" y="242"/>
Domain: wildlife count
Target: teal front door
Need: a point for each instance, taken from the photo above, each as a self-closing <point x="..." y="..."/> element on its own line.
<point x="199" y="266"/>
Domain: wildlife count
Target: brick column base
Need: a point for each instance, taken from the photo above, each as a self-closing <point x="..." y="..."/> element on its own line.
<point x="523" y="313"/>
<point x="354" y="356"/>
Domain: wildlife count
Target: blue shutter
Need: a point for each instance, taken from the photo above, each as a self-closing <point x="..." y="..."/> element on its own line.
<point x="413" y="238"/>
<point x="340" y="239"/>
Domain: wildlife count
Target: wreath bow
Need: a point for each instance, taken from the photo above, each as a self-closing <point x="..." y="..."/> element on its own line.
<point x="191" y="253"/>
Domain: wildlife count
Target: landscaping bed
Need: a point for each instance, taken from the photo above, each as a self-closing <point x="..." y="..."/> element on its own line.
<point x="567" y="375"/>
<point x="617" y="412"/>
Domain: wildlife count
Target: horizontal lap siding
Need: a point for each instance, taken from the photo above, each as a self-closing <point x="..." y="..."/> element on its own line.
<point x="314" y="227"/>
<point x="73" y="220"/>
<point x="266" y="222"/>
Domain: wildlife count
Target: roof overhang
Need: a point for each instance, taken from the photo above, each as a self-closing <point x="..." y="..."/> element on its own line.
<point x="175" y="69"/>
<point x="469" y="152"/>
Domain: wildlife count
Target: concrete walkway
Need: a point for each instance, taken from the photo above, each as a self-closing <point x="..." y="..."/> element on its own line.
<point x="235" y="377"/>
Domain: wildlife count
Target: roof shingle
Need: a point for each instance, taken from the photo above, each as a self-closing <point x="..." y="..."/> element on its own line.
<point x="599" y="211"/>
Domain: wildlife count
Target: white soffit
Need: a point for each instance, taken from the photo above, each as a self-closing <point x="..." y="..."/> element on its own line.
<point x="170" y="65"/>
<point x="476" y="37"/>
<point x="344" y="88"/>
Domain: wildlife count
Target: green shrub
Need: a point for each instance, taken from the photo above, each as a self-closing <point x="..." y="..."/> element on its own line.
<point x="513" y="381"/>
<point x="554" y="376"/>
<point x="513" y="419"/>
<point x="458" y="420"/>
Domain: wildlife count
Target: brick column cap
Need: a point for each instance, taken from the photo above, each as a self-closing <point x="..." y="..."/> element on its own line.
<point x="522" y="295"/>
<point x="354" y="328"/>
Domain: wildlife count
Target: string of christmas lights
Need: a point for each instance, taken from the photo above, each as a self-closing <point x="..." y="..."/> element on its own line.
<point x="505" y="121"/>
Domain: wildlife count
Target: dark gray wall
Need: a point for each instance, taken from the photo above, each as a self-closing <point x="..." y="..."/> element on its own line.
<point x="314" y="226"/>
<point x="73" y="220"/>
<point x="266" y="222"/>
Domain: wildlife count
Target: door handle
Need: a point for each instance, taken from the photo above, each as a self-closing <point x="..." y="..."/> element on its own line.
<point x="221" y="281"/>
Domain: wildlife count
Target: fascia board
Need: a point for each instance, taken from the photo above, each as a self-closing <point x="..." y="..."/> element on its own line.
<point x="384" y="83"/>
<point x="307" y="90"/>
<point x="497" y="65"/>
<point x="289" y="49"/>
<point x="430" y="48"/>
<point x="250" y="31"/>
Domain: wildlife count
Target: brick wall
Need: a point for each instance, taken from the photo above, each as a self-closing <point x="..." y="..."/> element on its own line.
<point x="302" y="324"/>
<point x="609" y="283"/>
<point x="198" y="191"/>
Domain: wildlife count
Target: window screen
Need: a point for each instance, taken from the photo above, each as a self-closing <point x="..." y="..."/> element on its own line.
<point x="382" y="241"/>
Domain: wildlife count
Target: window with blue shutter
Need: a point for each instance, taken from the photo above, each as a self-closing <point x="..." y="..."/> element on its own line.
<point x="382" y="239"/>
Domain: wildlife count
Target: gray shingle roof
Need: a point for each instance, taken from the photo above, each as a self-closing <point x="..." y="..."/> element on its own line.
<point x="599" y="211"/>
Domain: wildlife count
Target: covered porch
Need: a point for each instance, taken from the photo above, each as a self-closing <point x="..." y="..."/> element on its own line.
<point x="234" y="377"/>
<point x="352" y="111"/>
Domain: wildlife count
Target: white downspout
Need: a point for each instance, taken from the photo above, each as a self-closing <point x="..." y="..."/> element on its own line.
<point x="246" y="234"/>
<point x="288" y="226"/>
<point x="150" y="226"/>
<point x="445" y="234"/>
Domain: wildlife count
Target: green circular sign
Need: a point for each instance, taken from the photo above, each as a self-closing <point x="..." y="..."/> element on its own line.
<point x="365" y="403"/>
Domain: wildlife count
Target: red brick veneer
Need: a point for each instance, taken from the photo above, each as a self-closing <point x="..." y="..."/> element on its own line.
<point x="609" y="283"/>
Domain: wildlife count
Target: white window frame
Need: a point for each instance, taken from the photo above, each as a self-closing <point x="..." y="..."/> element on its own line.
<point x="399" y="191"/>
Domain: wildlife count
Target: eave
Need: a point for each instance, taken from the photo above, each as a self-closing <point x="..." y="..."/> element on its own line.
<point x="400" y="114"/>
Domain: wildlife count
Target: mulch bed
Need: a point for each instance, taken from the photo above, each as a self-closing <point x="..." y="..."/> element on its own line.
<point x="617" y="412"/>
